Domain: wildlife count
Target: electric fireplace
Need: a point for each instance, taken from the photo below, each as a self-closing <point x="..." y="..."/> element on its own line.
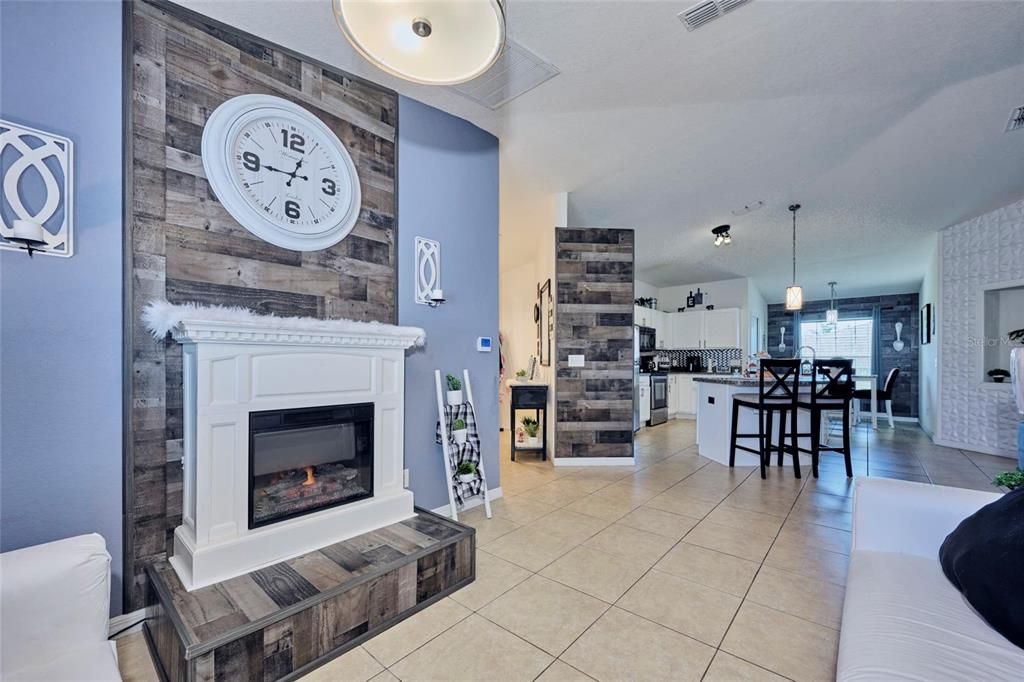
<point x="307" y="459"/>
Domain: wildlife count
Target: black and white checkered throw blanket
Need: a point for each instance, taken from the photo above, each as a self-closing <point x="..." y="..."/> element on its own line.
<point x="467" y="452"/>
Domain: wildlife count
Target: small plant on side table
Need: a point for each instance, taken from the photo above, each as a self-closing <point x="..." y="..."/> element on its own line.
<point x="530" y="426"/>
<point x="459" y="431"/>
<point x="454" y="390"/>
<point x="521" y="374"/>
<point x="1010" y="479"/>
<point x="466" y="472"/>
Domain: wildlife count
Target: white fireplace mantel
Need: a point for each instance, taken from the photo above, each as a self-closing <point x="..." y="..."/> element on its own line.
<point x="232" y="367"/>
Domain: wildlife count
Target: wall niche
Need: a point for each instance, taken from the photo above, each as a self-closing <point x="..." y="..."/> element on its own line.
<point x="1003" y="312"/>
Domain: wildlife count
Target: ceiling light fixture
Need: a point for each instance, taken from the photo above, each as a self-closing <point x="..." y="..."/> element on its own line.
<point x="433" y="42"/>
<point x="832" y="314"/>
<point x="722" y="235"/>
<point x="794" y="292"/>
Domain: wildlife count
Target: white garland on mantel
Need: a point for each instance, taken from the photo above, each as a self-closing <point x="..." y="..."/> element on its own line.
<point x="161" y="317"/>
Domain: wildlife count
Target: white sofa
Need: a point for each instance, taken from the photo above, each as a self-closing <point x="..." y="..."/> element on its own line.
<point x="54" y="611"/>
<point x="902" y="619"/>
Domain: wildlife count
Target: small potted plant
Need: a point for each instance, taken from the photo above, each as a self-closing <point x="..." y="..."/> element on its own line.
<point x="1010" y="479"/>
<point x="999" y="375"/>
<point x="459" y="431"/>
<point x="530" y="426"/>
<point x="454" y="390"/>
<point x="466" y="472"/>
<point x="521" y="374"/>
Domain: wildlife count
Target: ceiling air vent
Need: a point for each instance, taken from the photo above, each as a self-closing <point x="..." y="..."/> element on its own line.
<point x="515" y="73"/>
<point x="702" y="13"/>
<point x="1016" y="120"/>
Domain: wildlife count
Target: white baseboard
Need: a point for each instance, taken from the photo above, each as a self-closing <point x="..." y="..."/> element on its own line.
<point x="594" y="461"/>
<point x="866" y="416"/>
<point x="975" y="447"/>
<point x="493" y="493"/>
<point x="129" y="620"/>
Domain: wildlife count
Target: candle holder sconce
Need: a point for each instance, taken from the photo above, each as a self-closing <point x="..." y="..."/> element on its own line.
<point x="428" y="272"/>
<point x="36" y="213"/>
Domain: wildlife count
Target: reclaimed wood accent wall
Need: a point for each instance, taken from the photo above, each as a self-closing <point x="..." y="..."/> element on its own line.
<point x="185" y="247"/>
<point x="594" y="318"/>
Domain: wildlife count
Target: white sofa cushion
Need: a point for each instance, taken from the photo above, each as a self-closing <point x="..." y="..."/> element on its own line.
<point x="903" y="620"/>
<point x="86" y="664"/>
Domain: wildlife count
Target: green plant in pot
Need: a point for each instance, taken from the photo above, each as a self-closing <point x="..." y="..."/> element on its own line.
<point x="466" y="472"/>
<point x="530" y="426"/>
<point x="1010" y="479"/>
<point x="521" y="374"/>
<point x="999" y="375"/>
<point x="454" y="390"/>
<point x="459" y="431"/>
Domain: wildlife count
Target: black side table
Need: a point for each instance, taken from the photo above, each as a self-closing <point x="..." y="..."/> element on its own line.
<point x="530" y="397"/>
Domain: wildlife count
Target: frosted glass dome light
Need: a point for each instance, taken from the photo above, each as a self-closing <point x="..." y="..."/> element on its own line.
<point x="433" y="42"/>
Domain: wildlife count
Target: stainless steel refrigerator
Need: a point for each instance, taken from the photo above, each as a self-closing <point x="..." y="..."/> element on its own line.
<point x="636" y="378"/>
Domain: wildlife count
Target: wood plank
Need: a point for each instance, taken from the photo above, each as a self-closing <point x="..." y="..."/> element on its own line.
<point x="283" y="584"/>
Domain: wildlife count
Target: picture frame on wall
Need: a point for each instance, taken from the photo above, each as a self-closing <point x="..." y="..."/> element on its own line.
<point x="926" y="324"/>
<point x="544" y="316"/>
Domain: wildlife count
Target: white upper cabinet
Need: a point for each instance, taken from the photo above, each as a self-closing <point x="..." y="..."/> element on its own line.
<point x="686" y="329"/>
<point x="722" y="328"/>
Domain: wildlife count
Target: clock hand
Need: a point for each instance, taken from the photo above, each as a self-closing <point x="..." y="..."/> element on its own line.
<point x="277" y="170"/>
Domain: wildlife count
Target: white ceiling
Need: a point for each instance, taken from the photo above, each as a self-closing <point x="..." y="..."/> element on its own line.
<point x="884" y="119"/>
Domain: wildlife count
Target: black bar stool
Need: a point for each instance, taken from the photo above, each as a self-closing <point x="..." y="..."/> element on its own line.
<point x="777" y="394"/>
<point x="831" y="389"/>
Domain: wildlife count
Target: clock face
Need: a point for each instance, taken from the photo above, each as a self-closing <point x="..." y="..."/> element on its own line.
<point x="281" y="172"/>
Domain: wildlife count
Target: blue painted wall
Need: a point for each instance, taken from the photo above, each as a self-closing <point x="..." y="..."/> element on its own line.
<point x="448" y="191"/>
<point x="60" y="319"/>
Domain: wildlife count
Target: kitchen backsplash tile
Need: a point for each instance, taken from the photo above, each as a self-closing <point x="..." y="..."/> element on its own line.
<point x="721" y="357"/>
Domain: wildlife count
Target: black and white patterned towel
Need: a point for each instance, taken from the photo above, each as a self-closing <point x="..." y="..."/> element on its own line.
<point x="467" y="452"/>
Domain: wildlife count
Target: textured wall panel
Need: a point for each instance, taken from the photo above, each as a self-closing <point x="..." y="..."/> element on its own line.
<point x="981" y="252"/>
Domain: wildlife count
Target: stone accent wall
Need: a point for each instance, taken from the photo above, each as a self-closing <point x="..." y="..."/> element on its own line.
<point x="892" y="309"/>
<point x="594" y="318"/>
<point x="985" y="251"/>
<point x="186" y="247"/>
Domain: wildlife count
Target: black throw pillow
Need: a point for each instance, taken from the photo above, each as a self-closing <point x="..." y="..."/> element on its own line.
<point x="984" y="559"/>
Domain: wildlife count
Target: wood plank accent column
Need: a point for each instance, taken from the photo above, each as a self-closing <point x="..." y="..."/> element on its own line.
<point x="594" y="318"/>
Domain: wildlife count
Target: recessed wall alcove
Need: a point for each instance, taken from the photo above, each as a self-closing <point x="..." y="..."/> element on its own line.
<point x="1002" y="312"/>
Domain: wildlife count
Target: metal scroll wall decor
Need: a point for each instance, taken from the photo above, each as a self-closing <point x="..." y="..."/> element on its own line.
<point x="428" y="272"/>
<point x="544" y="316"/>
<point x="37" y="169"/>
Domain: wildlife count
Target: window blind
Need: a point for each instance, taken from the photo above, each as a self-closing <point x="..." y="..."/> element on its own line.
<point x="849" y="338"/>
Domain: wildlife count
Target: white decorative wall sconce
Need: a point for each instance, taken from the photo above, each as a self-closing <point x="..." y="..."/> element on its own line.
<point x="428" y="272"/>
<point x="36" y="209"/>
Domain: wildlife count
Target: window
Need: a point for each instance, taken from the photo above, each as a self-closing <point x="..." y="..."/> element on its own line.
<point x="849" y="338"/>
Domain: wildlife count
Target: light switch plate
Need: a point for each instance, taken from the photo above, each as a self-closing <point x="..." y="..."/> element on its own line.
<point x="577" y="361"/>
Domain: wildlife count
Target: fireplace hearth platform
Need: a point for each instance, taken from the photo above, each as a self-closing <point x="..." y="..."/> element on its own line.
<point x="284" y="620"/>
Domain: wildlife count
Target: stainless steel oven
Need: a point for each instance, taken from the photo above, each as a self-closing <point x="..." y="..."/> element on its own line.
<point x="648" y="342"/>
<point x="659" y="399"/>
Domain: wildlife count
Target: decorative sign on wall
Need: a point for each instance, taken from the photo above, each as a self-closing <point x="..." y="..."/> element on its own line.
<point x="428" y="272"/>
<point x="36" y="209"/>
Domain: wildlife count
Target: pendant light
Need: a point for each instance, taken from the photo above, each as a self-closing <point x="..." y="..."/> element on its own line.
<point x="832" y="314"/>
<point x="794" y="293"/>
<point x="433" y="42"/>
<point x="722" y="235"/>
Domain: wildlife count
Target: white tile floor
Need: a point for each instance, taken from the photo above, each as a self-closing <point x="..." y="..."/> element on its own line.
<point x="674" y="569"/>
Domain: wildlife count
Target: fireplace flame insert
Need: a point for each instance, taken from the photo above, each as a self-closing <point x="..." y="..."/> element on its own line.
<point x="308" y="459"/>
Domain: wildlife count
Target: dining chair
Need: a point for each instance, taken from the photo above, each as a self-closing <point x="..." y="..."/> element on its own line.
<point x="885" y="394"/>
<point x="778" y="389"/>
<point x="831" y="390"/>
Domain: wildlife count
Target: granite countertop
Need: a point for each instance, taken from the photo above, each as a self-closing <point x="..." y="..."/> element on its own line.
<point x="728" y="379"/>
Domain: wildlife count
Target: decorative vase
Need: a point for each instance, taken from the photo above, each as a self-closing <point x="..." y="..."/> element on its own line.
<point x="455" y="397"/>
<point x="460" y="436"/>
<point x="467" y="478"/>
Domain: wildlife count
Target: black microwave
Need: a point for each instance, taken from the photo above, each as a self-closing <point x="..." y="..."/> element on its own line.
<point x="648" y="342"/>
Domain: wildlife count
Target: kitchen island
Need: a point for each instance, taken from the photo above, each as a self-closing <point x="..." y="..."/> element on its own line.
<point x="714" y="419"/>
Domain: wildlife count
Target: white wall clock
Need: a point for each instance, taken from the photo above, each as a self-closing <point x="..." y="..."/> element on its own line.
<point x="281" y="172"/>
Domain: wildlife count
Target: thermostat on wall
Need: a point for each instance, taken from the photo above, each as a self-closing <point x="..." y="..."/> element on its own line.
<point x="483" y="344"/>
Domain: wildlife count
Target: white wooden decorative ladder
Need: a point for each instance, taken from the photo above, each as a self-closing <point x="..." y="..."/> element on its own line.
<point x="446" y="446"/>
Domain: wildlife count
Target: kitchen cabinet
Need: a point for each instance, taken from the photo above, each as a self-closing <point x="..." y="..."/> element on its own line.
<point x="684" y="397"/>
<point x="703" y="329"/>
<point x="641" y="316"/>
<point x="722" y="328"/>
<point x="645" y="399"/>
